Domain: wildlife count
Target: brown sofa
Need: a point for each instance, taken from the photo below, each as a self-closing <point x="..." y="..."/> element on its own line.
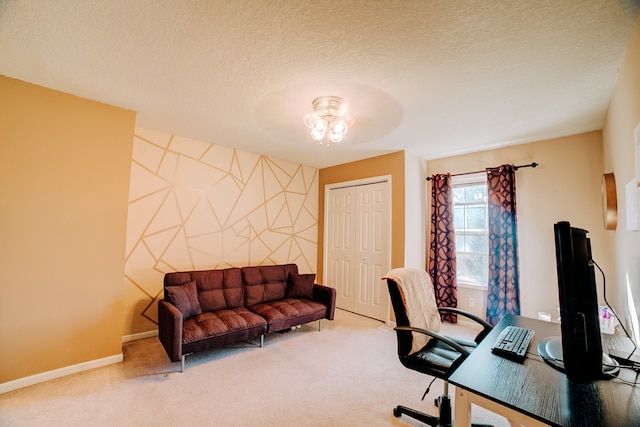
<point x="213" y="308"/>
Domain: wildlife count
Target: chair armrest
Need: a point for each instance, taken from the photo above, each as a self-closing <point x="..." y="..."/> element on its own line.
<point x="170" y="329"/>
<point x="327" y="296"/>
<point x="486" y="327"/>
<point x="436" y="336"/>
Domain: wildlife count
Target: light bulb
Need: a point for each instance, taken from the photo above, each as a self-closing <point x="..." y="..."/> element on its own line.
<point x="319" y="125"/>
<point x="335" y="137"/>
<point x="317" y="134"/>
<point x="339" y="127"/>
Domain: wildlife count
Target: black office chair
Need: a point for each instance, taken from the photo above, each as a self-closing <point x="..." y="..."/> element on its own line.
<point x="438" y="358"/>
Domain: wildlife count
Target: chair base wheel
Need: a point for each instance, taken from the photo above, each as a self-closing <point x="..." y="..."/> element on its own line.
<point x="429" y="420"/>
<point x="420" y="416"/>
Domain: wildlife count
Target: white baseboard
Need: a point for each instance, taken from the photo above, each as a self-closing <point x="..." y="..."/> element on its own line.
<point x="61" y="372"/>
<point x="68" y="370"/>
<point x="140" y="336"/>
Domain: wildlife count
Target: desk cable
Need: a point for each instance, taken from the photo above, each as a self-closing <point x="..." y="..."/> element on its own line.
<point x="633" y="365"/>
<point x="428" y="388"/>
<point x="635" y="383"/>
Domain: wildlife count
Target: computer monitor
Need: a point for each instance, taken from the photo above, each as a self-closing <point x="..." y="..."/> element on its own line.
<point x="578" y="352"/>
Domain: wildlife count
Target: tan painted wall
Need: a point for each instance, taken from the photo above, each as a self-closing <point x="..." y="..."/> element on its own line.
<point x="389" y="164"/>
<point x="622" y="118"/>
<point x="64" y="179"/>
<point x="196" y="205"/>
<point x="566" y="186"/>
<point x="415" y="205"/>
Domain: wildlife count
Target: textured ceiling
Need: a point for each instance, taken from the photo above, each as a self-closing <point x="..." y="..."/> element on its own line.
<point x="436" y="78"/>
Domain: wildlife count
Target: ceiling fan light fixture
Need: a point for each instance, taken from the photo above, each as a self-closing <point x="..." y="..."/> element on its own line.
<point x="329" y="121"/>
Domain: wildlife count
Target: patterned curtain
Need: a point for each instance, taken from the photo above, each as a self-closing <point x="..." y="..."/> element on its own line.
<point x="503" y="294"/>
<point x="442" y="252"/>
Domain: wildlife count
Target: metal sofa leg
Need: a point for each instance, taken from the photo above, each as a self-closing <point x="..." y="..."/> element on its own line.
<point x="319" y="324"/>
<point x="182" y="362"/>
<point x="261" y="340"/>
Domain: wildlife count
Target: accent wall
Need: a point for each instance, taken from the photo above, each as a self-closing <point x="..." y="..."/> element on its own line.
<point x="195" y="205"/>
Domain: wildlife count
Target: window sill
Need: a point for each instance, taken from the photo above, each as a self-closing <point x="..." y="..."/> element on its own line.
<point x="473" y="286"/>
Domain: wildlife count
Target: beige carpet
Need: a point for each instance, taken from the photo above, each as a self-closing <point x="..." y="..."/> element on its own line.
<point x="348" y="374"/>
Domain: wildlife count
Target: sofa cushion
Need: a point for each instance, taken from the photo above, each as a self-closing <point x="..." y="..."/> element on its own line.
<point x="266" y="283"/>
<point x="300" y="285"/>
<point x="185" y="298"/>
<point x="219" y="289"/>
<point x="220" y="323"/>
<point x="288" y="312"/>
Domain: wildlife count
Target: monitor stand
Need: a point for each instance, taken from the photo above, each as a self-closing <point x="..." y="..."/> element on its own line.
<point x="550" y="349"/>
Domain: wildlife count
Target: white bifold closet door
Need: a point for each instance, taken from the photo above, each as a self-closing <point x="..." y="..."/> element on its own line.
<point x="359" y="247"/>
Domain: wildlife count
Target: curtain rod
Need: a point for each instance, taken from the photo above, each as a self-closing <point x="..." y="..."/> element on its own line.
<point x="530" y="165"/>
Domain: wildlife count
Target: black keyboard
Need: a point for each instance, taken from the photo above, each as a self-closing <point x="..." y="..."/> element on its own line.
<point x="513" y="343"/>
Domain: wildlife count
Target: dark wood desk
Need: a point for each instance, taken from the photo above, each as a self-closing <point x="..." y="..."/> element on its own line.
<point x="535" y="394"/>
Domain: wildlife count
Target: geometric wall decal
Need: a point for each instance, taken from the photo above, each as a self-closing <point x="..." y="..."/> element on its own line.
<point x="195" y="205"/>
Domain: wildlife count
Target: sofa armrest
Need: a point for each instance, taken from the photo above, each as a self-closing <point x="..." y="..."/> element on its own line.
<point x="327" y="296"/>
<point x="170" y="329"/>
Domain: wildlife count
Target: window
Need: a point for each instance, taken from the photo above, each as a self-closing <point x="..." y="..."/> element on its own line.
<point x="471" y="227"/>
